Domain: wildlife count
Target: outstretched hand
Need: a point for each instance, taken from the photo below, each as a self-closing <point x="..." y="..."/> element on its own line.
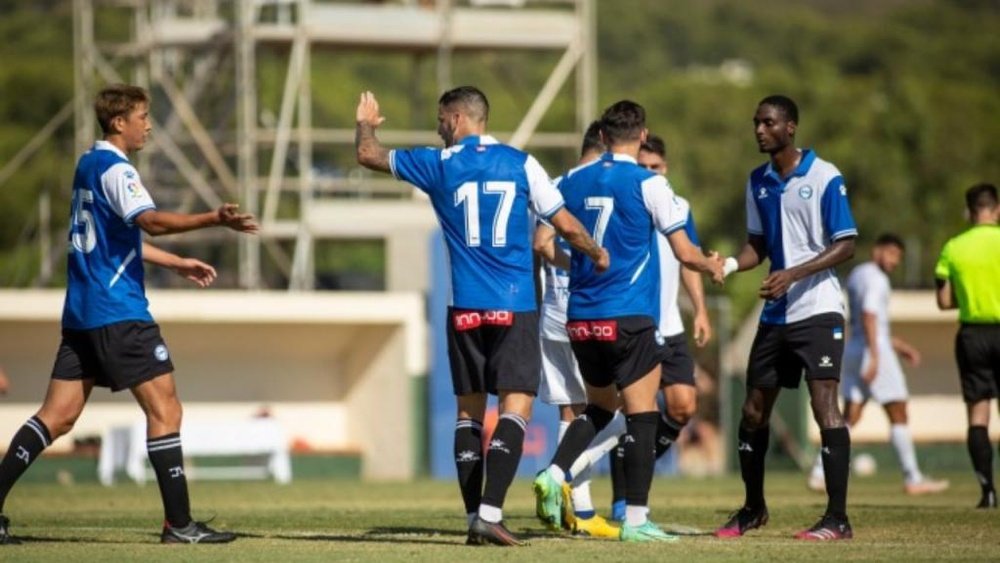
<point x="229" y="216"/>
<point x="368" y="112"/>
<point x="716" y="264"/>
<point x="197" y="271"/>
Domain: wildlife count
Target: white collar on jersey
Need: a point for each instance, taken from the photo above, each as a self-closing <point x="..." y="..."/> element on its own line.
<point x="622" y="157"/>
<point x="106" y="146"/>
<point x="480" y="140"/>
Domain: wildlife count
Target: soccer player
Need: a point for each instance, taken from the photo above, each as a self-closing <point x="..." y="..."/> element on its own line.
<point x="612" y="325"/>
<point x="677" y="368"/>
<point x="481" y="191"/>
<point x="968" y="278"/>
<point x="871" y="368"/>
<point x="798" y="217"/>
<point x="562" y="385"/>
<point x="109" y="338"/>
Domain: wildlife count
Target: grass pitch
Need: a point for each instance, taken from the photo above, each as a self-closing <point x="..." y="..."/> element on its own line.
<point x="423" y="521"/>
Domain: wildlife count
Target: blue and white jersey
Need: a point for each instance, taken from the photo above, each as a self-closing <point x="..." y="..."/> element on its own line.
<point x="799" y="217"/>
<point x="481" y="191"/>
<point x="624" y="206"/>
<point x="555" y="298"/>
<point x="105" y="275"/>
<point x="670" y="275"/>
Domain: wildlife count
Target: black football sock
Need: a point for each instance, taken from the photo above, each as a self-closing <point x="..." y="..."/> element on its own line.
<point x="753" y="451"/>
<point x="978" y="441"/>
<point x="667" y="431"/>
<point x="836" y="453"/>
<point x="579" y="435"/>
<point x="469" y="461"/>
<point x="640" y="446"/>
<point x="502" y="458"/>
<point x="168" y="463"/>
<point x="617" y="459"/>
<point x="27" y="444"/>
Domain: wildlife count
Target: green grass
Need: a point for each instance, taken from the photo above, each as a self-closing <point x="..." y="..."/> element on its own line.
<point x="349" y="521"/>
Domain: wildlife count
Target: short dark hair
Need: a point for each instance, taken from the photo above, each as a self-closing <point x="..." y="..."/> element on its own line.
<point x="117" y="100"/>
<point x="785" y="104"/>
<point x="623" y="121"/>
<point x="655" y="144"/>
<point x="890" y="239"/>
<point x="982" y="196"/>
<point x="592" y="139"/>
<point x="473" y="101"/>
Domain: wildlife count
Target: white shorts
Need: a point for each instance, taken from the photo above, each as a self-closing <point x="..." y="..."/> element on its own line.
<point x="889" y="385"/>
<point x="562" y="383"/>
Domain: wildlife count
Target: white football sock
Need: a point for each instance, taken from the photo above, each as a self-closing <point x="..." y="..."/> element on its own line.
<point x="902" y="441"/>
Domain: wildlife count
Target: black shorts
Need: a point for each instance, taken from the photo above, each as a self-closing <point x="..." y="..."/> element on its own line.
<point x="491" y="351"/>
<point x="678" y="363"/>
<point x="977" y="351"/>
<point x="781" y="353"/>
<point x="619" y="350"/>
<point x="119" y="356"/>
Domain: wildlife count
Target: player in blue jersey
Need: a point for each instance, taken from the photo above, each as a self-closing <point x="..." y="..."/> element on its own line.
<point x="562" y="384"/>
<point x="613" y="317"/>
<point x="482" y="191"/>
<point x="109" y="338"/>
<point x="798" y="217"/>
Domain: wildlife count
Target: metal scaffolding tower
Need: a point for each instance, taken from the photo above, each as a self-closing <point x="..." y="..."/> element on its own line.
<point x="200" y="58"/>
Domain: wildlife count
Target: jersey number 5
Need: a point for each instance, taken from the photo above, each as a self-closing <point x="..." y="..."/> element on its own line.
<point x="468" y="193"/>
<point x="82" y="233"/>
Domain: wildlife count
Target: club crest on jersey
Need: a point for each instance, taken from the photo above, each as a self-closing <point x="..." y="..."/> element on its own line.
<point x="806" y="192"/>
<point x="135" y="190"/>
<point x="161" y="353"/>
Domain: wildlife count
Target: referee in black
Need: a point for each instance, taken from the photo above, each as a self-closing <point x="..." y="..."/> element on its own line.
<point x="968" y="278"/>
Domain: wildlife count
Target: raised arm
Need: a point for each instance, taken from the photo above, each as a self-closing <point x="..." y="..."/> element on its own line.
<point x="545" y="246"/>
<point x="195" y="270"/>
<point x="577" y="236"/>
<point x="371" y="153"/>
<point x="155" y="222"/>
<point x="777" y="284"/>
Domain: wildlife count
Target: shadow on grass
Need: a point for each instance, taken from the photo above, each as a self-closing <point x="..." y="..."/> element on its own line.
<point x="40" y="539"/>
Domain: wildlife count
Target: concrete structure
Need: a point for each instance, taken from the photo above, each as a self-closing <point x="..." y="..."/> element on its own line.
<point x="336" y="370"/>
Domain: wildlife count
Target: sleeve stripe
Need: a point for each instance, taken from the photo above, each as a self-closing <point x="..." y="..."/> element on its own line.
<point x="136" y="212"/>
<point x="548" y="214"/>
<point x="392" y="164"/>
<point x="844" y="234"/>
<point x="674" y="228"/>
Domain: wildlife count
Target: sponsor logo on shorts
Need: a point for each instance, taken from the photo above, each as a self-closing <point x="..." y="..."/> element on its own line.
<point x="604" y="331"/>
<point x="468" y="320"/>
<point x="825" y="362"/>
<point x="161" y="353"/>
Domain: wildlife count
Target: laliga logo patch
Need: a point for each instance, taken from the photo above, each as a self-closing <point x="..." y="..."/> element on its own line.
<point x="843" y="190"/>
<point x="134" y="190"/>
<point x="806" y="192"/>
<point x="161" y="353"/>
<point x="762" y="193"/>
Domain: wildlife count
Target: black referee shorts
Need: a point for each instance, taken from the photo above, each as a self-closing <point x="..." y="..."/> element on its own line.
<point x="977" y="351"/>
<point x="118" y="356"/>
